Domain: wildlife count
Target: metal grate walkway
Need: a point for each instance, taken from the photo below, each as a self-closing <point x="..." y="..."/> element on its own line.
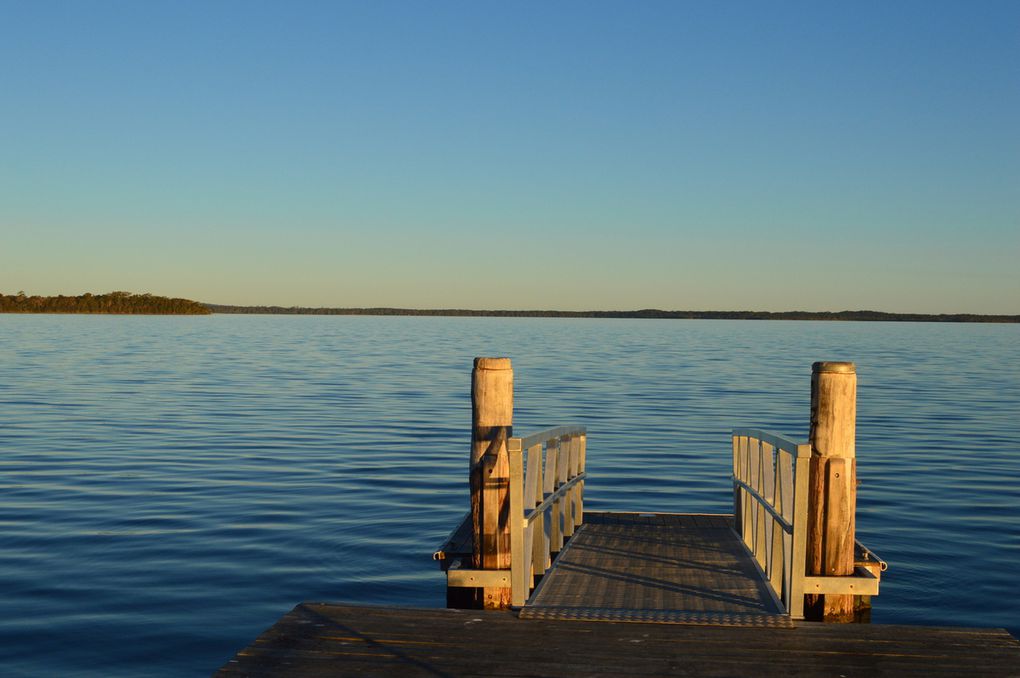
<point x="663" y="568"/>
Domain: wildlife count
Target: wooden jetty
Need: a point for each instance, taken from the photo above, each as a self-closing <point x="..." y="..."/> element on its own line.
<point x="316" y="640"/>
<point x="537" y="586"/>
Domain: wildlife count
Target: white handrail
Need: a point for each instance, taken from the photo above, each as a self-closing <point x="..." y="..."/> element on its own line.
<point x="770" y="479"/>
<point x="556" y="488"/>
<point x="551" y="434"/>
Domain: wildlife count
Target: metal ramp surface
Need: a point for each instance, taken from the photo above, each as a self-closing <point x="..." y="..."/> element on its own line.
<point x="659" y="568"/>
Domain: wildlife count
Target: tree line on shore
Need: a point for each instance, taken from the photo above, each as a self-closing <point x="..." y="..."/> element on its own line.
<point x="112" y="302"/>
<point x="644" y="313"/>
<point x="128" y="303"/>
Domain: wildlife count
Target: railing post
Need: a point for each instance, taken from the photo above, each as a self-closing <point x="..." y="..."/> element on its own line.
<point x="552" y="465"/>
<point x="519" y="566"/>
<point x="832" y="496"/>
<point x="492" y="407"/>
<point x="566" y="473"/>
<point x="802" y="471"/>
<point x="582" y="451"/>
<point x="738" y="522"/>
<point x="536" y="551"/>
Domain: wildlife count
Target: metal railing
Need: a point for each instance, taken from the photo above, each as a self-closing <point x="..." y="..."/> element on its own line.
<point x="770" y="511"/>
<point x="546" y="489"/>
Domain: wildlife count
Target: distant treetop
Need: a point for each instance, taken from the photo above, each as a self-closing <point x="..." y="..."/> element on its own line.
<point x="112" y="302"/>
<point x="651" y="313"/>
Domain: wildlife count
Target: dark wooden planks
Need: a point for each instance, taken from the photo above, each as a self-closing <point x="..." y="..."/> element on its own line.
<point x="338" y="640"/>
<point x="680" y="568"/>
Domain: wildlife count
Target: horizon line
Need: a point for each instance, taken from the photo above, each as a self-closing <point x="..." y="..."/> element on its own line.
<point x="654" y="313"/>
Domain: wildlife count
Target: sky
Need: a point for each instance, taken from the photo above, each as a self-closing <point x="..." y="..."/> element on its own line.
<point x="515" y="155"/>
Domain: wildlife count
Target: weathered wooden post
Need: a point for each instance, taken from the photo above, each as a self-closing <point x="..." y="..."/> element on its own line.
<point x="832" y="493"/>
<point x="492" y="411"/>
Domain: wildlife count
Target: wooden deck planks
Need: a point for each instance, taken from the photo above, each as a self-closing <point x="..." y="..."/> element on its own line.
<point x="338" y="640"/>
<point x="690" y="573"/>
<point x="680" y="568"/>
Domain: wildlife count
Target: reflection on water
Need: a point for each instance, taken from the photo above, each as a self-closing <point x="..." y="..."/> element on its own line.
<point x="171" y="486"/>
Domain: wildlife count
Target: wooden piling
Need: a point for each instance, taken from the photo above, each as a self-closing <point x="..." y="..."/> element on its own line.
<point x="832" y="493"/>
<point x="492" y="407"/>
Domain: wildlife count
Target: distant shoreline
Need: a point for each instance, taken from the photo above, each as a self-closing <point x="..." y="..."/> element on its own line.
<point x="126" y="303"/>
<point x="871" y="316"/>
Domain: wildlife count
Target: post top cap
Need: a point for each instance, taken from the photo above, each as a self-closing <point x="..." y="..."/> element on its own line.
<point x="837" y="367"/>
<point x="492" y="364"/>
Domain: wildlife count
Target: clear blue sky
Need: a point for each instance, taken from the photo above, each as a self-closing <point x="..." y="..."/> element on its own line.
<point x="563" y="155"/>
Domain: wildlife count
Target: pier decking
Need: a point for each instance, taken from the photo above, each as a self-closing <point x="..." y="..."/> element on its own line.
<point x="323" y="640"/>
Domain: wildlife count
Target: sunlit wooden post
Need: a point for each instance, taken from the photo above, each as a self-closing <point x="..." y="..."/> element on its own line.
<point x="492" y="408"/>
<point x="832" y="495"/>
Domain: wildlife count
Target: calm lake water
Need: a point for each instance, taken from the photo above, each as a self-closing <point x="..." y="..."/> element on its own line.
<point x="170" y="486"/>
